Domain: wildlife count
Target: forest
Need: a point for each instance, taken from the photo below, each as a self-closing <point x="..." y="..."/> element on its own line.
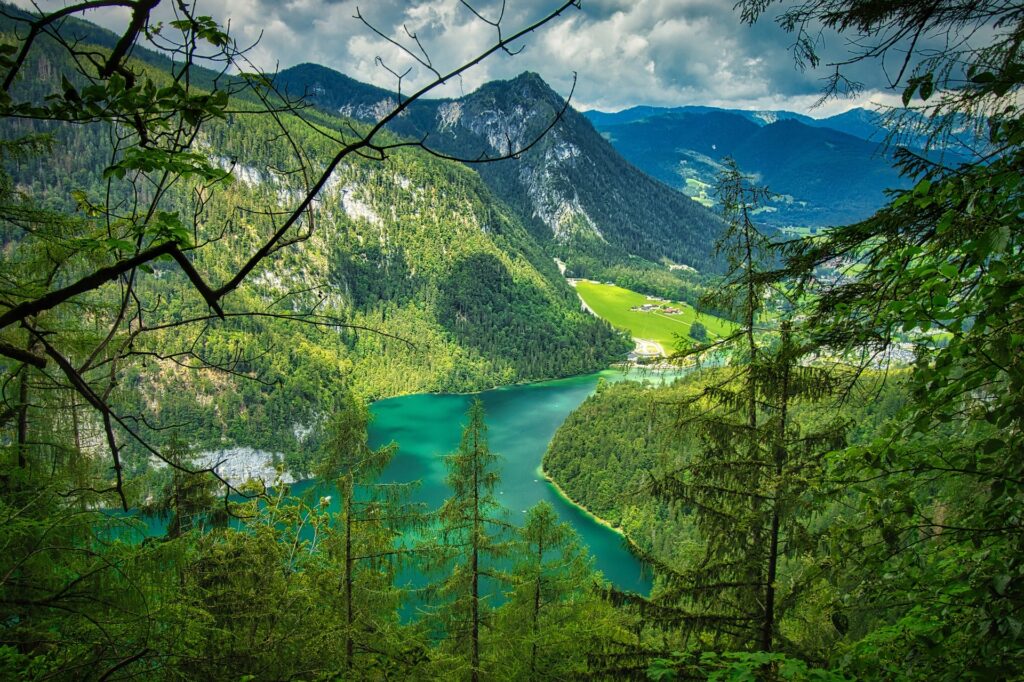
<point x="194" y="258"/>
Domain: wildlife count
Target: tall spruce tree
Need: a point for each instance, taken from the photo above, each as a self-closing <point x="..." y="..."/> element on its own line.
<point x="744" y="485"/>
<point x="474" y="534"/>
<point x="554" y="607"/>
<point x="938" y="275"/>
<point x="187" y="502"/>
<point x="366" y="542"/>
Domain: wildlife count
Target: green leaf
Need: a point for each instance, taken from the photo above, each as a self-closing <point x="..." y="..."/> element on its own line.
<point x="944" y="222"/>
<point x="992" y="445"/>
<point x="908" y="92"/>
<point x="122" y="244"/>
<point x="926" y="89"/>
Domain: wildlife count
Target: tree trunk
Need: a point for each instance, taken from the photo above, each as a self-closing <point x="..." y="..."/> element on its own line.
<point x="475" y="603"/>
<point x="536" y="608"/>
<point x="349" y="642"/>
<point x="23" y="418"/>
<point x="768" y="626"/>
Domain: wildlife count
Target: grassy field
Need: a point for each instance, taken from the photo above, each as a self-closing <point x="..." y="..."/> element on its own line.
<point x="800" y="232"/>
<point x="613" y="304"/>
<point x="699" y="192"/>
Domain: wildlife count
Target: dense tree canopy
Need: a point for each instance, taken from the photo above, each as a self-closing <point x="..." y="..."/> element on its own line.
<point x="918" y="544"/>
<point x="191" y="259"/>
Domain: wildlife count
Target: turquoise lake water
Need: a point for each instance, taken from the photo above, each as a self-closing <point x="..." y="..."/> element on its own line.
<point x="521" y="421"/>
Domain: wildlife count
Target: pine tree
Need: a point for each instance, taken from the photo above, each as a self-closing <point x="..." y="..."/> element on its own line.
<point x="743" y="485"/>
<point x="937" y="274"/>
<point x="473" y="536"/>
<point x="366" y="538"/>
<point x="188" y="501"/>
<point x="553" y="607"/>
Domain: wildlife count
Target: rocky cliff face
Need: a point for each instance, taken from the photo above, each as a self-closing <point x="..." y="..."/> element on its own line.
<point x="571" y="188"/>
<point x="241" y="464"/>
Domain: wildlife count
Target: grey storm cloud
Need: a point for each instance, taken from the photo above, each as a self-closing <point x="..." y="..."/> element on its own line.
<point x="624" y="52"/>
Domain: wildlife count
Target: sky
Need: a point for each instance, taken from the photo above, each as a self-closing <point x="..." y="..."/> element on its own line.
<point x="624" y="52"/>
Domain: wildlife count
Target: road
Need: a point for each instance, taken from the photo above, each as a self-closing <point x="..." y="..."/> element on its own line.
<point x="649" y="348"/>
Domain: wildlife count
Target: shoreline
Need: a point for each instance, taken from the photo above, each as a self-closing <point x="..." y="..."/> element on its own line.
<point x="623" y="367"/>
<point x="591" y="515"/>
<point x="631" y="545"/>
<point x="497" y="387"/>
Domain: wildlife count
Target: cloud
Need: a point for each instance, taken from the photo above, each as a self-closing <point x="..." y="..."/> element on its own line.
<point x="624" y="52"/>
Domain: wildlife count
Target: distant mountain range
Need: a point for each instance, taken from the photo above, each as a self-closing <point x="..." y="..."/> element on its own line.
<point x="584" y="189"/>
<point x="859" y="122"/>
<point x="826" y="171"/>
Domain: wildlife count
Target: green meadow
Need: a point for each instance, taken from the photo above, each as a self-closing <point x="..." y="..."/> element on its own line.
<point x="615" y="304"/>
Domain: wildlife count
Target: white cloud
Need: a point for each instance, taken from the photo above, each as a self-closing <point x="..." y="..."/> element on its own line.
<point x="626" y="52"/>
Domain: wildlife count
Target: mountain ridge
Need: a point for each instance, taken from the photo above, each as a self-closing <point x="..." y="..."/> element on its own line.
<point x="821" y="176"/>
<point x="858" y="121"/>
<point x="572" y="188"/>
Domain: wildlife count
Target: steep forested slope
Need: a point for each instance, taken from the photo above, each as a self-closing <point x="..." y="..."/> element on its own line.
<point x="418" y="278"/>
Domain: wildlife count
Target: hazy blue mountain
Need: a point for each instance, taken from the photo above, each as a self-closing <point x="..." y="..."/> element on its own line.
<point x="824" y="176"/>
<point x="760" y="117"/>
<point x="867" y="124"/>
<point x="859" y="122"/>
<point x="862" y="123"/>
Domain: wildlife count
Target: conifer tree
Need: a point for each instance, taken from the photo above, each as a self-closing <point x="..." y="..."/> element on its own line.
<point x="188" y="501"/>
<point x="473" y="535"/>
<point x="553" y="607"/>
<point x="366" y="542"/>
<point x="743" y="486"/>
<point x="938" y="274"/>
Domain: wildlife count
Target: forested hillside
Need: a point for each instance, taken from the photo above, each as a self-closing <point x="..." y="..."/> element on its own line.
<point x="418" y="279"/>
<point x="587" y="205"/>
<point x="609" y="452"/>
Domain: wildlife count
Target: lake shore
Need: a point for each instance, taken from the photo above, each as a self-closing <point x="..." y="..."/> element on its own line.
<point x="565" y="496"/>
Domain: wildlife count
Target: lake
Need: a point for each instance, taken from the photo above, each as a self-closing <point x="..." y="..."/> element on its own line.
<point x="521" y="421"/>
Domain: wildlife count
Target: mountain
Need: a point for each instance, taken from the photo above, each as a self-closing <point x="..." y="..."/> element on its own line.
<point x="335" y="92"/>
<point x="859" y="122"/>
<point x="823" y="176"/>
<point x="436" y="283"/>
<point x="639" y="113"/>
<point x="862" y="123"/>
<point x="572" y="189"/>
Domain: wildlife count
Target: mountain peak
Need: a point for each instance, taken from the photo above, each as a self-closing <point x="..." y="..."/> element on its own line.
<point x="528" y="86"/>
<point x="531" y="78"/>
<point x="572" y="189"/>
